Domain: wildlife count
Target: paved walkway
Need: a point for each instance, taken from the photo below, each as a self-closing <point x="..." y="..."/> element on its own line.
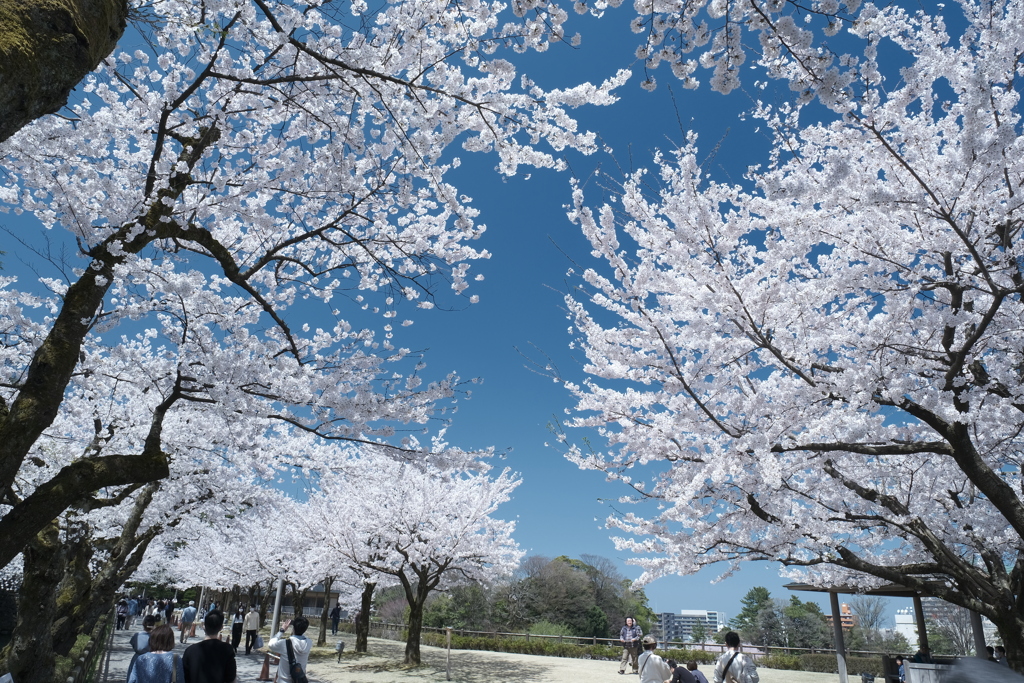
<point x="115" y="668"/>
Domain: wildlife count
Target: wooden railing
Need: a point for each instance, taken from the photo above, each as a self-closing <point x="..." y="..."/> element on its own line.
<point x="85" y="668"/>
<point x="394" y="632"/>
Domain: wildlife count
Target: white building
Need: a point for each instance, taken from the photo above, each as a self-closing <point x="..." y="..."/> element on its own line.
<point x="935" y="610"/>
<point x="675" y="627"/>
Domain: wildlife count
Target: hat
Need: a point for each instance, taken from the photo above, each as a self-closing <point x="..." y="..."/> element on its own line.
<point x="191" y="603"/>
<point x="650" y="640"/>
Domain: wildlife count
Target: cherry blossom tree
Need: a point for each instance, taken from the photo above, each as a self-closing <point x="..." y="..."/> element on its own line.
<point x="416" y="523"/>
<point x="823" y="367"/>
<point x="263" y="159"/>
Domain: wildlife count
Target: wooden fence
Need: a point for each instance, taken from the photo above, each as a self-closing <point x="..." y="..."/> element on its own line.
<point x="381" y="629"/>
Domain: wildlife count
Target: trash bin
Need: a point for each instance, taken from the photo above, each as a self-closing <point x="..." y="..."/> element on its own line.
<point x="867" y="678"/>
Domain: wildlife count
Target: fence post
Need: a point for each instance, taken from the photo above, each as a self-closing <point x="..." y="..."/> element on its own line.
<point x="448" y="658"/>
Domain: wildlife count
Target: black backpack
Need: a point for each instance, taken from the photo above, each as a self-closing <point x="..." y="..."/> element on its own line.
<point x="294" y="668"/>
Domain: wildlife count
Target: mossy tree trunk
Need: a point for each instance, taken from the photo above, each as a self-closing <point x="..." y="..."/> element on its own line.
<point x="86" y="592"/>
<point x="64" y="594"/>
<point x="46" y="48"/>
<point x="29" y="657"/>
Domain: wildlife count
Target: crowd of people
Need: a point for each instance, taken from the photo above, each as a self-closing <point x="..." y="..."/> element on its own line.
<point x="638" y="650"/>
<point x="212" y="659"/>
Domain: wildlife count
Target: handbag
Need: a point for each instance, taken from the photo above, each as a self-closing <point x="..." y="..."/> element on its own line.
<point x="259" y="642"/>
<point x="294" y="668"/>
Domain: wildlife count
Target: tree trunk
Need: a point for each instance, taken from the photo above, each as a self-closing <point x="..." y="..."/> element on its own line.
<point x="46" y="48"/>
<point x="29" y="657"/>
<point x="43" y="385"/>
<point x="86" y="593"/>
<point x="363" y="620"/>
<point x="265" y="602"/>
<point x="1011" y="632"/>
<point x="298" y="598"/>
<point x="417" y="599"/>
<point x="325" y="613"/>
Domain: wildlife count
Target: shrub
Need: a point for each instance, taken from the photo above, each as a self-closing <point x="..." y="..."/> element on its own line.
<point x="780" y="661"/>
<point x="546" y="628"/>
<point x="532" y="646"/>
<point x="681" y="655"/>
<point x="854" y="665"/>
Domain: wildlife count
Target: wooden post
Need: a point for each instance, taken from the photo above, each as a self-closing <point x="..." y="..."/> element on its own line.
<point x="448" y="658"/>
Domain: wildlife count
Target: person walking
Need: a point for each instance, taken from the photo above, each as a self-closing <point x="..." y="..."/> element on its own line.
<point x="335" y="618"/>
<point x="210" y="660"/>
<point x="160" y="664"/>
<point x="734" y="666"/>
<point x="122" y="613"/>
<point x="630" y="636"/>
<point x="236" y="628"/>
<point x="251" y="625"/>
<point x="140" y="642"/>
<point x="653" y="669"/>
<point x="134" y="607"/>
<point x="296" y="647"/>
<point x="188" y="618"/>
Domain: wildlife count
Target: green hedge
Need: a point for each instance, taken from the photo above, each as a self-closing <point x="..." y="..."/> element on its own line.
<point x="854" y="665"/>
<point x="780" y="661"/>
<point x="523" y="646"/>
<point x="553" y="648"/>
<point x="683" y="656"/>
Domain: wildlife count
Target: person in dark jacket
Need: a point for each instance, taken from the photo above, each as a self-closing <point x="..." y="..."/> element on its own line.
<point x="210" y="660"/>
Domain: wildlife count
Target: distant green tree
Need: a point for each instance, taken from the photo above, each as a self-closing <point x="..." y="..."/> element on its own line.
<point x="805" y="624"/>
<point x="597" y="624"/>
<point x="759" y="621"/>
<point x="699" y="633"/>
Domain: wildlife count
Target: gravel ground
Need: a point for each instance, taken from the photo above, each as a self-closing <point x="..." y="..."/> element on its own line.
<point x="383" y="664"/>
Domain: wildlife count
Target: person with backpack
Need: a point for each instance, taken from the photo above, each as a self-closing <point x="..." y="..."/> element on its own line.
<point x="653" y="669"/>
<point x="734" y="666"/>
<point x="293" y="651"/>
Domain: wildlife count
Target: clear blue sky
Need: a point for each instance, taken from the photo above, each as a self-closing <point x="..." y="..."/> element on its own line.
<point x="559" y="509"/>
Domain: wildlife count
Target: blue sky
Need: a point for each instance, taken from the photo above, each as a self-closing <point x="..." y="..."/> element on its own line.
<point x="559" y="509"/>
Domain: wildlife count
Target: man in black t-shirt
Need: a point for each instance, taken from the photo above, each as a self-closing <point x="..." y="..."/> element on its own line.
<point x="210" y="660"/>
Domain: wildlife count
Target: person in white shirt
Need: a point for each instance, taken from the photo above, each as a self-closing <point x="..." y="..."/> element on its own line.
<point x="653" y="669"/>
<point x="734" y="666"/>
<point x="301" y="647"/>
<point x="251" y="626"/>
